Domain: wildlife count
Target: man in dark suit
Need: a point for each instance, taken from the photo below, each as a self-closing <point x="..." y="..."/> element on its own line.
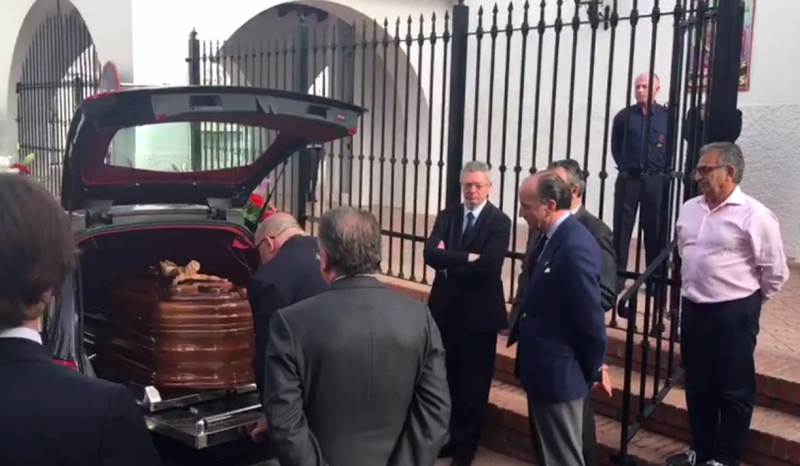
<point x="467" y="247"/>
<point x="355" y="376"/>
<point x="561" y="330"/>
<point x="289" y="274"/>
<point x="51" y="415"/>
<point x="570" y="171"/>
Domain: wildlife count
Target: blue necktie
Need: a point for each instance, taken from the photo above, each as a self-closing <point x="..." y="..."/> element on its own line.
<point x="470" y="223"/>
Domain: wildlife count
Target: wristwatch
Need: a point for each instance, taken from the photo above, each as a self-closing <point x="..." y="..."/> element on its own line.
<point x="598" y="375"/>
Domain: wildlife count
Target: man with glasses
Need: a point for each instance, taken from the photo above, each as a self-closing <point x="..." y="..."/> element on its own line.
<point x="732" y="262"/>
<point x="467" y="248"/>
<point x="289" y="273"/>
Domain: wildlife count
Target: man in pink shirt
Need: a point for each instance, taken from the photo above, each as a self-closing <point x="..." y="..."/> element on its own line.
<point x="733" y="261"/>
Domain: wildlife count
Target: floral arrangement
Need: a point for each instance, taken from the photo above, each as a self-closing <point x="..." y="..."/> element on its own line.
<point x="255" y="203"/>
<point x="22" y="167"/>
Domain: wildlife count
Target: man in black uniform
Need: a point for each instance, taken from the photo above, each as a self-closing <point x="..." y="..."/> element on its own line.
<point x="288" y="275"/>
<point x="638" y="139"/>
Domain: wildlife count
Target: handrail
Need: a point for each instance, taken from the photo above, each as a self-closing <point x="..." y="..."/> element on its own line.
<point x="623" y="303"/>
<point x="623" y="308"/>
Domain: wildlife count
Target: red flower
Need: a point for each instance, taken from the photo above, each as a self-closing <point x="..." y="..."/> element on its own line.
<point x="256" y="200"/>
<point x="22" y="168"/>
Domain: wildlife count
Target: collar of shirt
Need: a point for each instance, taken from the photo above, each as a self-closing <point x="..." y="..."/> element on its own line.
<point x="475" y="212"/>
<point x="575" y="210"/>
<point x="552" y="230"/>
<point x="735" y="198"/>
<point x="22" y="332"/>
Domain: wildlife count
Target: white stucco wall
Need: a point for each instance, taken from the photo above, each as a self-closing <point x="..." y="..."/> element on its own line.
<point x="148" y="41"/>
<point x="771" y="130"/>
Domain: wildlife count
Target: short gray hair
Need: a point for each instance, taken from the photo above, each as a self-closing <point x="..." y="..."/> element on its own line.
<point x="730" y="155"/>
<point x="476" y="166"/>
<point x="575" y="176"/>
<point x="352" y="240"/>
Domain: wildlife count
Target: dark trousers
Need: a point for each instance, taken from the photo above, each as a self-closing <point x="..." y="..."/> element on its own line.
<point x="632" y="191"/>
<point x="718" y="342"/>
<point x="470" y="367"/>
<point x="590" y="456"/>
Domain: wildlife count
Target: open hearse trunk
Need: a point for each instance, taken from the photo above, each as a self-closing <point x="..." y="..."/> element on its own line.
<point x="159" y="301"/>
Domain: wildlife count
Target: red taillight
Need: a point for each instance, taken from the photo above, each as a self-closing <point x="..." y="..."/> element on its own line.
<point x="69" y="364"/>
<point x="352" y="131"/>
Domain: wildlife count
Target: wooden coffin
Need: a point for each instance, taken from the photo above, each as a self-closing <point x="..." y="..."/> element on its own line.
<point x="150" y="332"/>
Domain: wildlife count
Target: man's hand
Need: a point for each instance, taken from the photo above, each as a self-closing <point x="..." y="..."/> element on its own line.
<point x="473" y="257"/>
<point x="259" y="429"/>
<point x="606" y="383"/>
<point x="441" y="245"/>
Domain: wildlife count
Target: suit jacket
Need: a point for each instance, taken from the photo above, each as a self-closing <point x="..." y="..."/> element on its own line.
<point x="290" y="277"/>
<point x="472" y="292"/>
<point x="609" y="283"/>
<point x="562" y="332"/>
<point x="54" y="416"/>
<point x="355" y="376"/>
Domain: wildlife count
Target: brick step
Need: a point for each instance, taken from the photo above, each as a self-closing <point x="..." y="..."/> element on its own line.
<point x="774" y="436"/>
<point x="506" y="431"/>
<point x="777" y="378"/>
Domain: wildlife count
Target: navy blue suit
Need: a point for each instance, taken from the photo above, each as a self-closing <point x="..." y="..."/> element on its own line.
<point x="562" y="333"/>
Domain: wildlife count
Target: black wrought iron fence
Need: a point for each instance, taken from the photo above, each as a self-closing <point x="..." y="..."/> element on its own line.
<point x="517" y="87"/>
<point x="59" y="71"/>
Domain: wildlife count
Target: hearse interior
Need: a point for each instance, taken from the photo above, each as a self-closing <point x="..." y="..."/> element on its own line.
<point x="159" y="301"/>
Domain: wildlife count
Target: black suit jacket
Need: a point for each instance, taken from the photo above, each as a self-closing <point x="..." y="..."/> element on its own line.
<point x="290" y="277"/>
<point x="53" y="416"/>
<point x="472" y="292"/>
<point x="355" y="376"/>
<point x="609" y="283"/>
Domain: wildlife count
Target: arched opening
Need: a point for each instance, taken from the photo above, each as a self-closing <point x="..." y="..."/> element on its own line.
<point x="329" y="49"/>
<point x="59" y="68"/>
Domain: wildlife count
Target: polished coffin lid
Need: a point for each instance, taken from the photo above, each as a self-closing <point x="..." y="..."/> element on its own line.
<point x="299" y="119"/>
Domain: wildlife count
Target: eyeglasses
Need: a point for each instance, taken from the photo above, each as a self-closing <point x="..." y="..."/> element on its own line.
<point x="474" y="185"/>
<point x="704" y="170"/>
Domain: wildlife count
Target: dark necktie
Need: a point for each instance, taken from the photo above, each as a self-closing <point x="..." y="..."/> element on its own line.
<point x="537" y="251"/>
<point x="470" y="223"/>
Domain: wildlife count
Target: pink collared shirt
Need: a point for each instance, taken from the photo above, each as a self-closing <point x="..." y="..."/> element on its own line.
<point x="730" y="252"/>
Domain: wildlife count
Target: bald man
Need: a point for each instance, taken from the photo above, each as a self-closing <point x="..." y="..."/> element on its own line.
<point x="638" y="140"/>
<point x="289" y="273"/>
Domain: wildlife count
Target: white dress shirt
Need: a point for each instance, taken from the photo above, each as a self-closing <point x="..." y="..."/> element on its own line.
<point x="22" y="332"/>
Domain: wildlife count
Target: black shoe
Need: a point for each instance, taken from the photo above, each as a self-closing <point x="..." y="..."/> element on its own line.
<point x="462" y="460"/>
<point x="687" y="458"/>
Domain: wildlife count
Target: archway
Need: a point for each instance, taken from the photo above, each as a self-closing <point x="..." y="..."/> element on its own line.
<point x="346" y="56"/>
<point x="59" y="68"/>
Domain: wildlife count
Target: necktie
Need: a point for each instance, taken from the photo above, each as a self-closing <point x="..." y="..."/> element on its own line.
<point x="537" y="251"/>
<point x="470" y="223"/>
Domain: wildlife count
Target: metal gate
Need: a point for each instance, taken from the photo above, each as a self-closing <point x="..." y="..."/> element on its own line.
<point x="59" y="71"/>
<point x="513" y="87"/>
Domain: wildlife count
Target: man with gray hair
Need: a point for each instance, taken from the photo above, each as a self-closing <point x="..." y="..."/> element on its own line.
<point x="289" y="273"/>
<point x="467" y="248"/>
<point x="732" y="262"/>
<point x="355" y="376"/>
